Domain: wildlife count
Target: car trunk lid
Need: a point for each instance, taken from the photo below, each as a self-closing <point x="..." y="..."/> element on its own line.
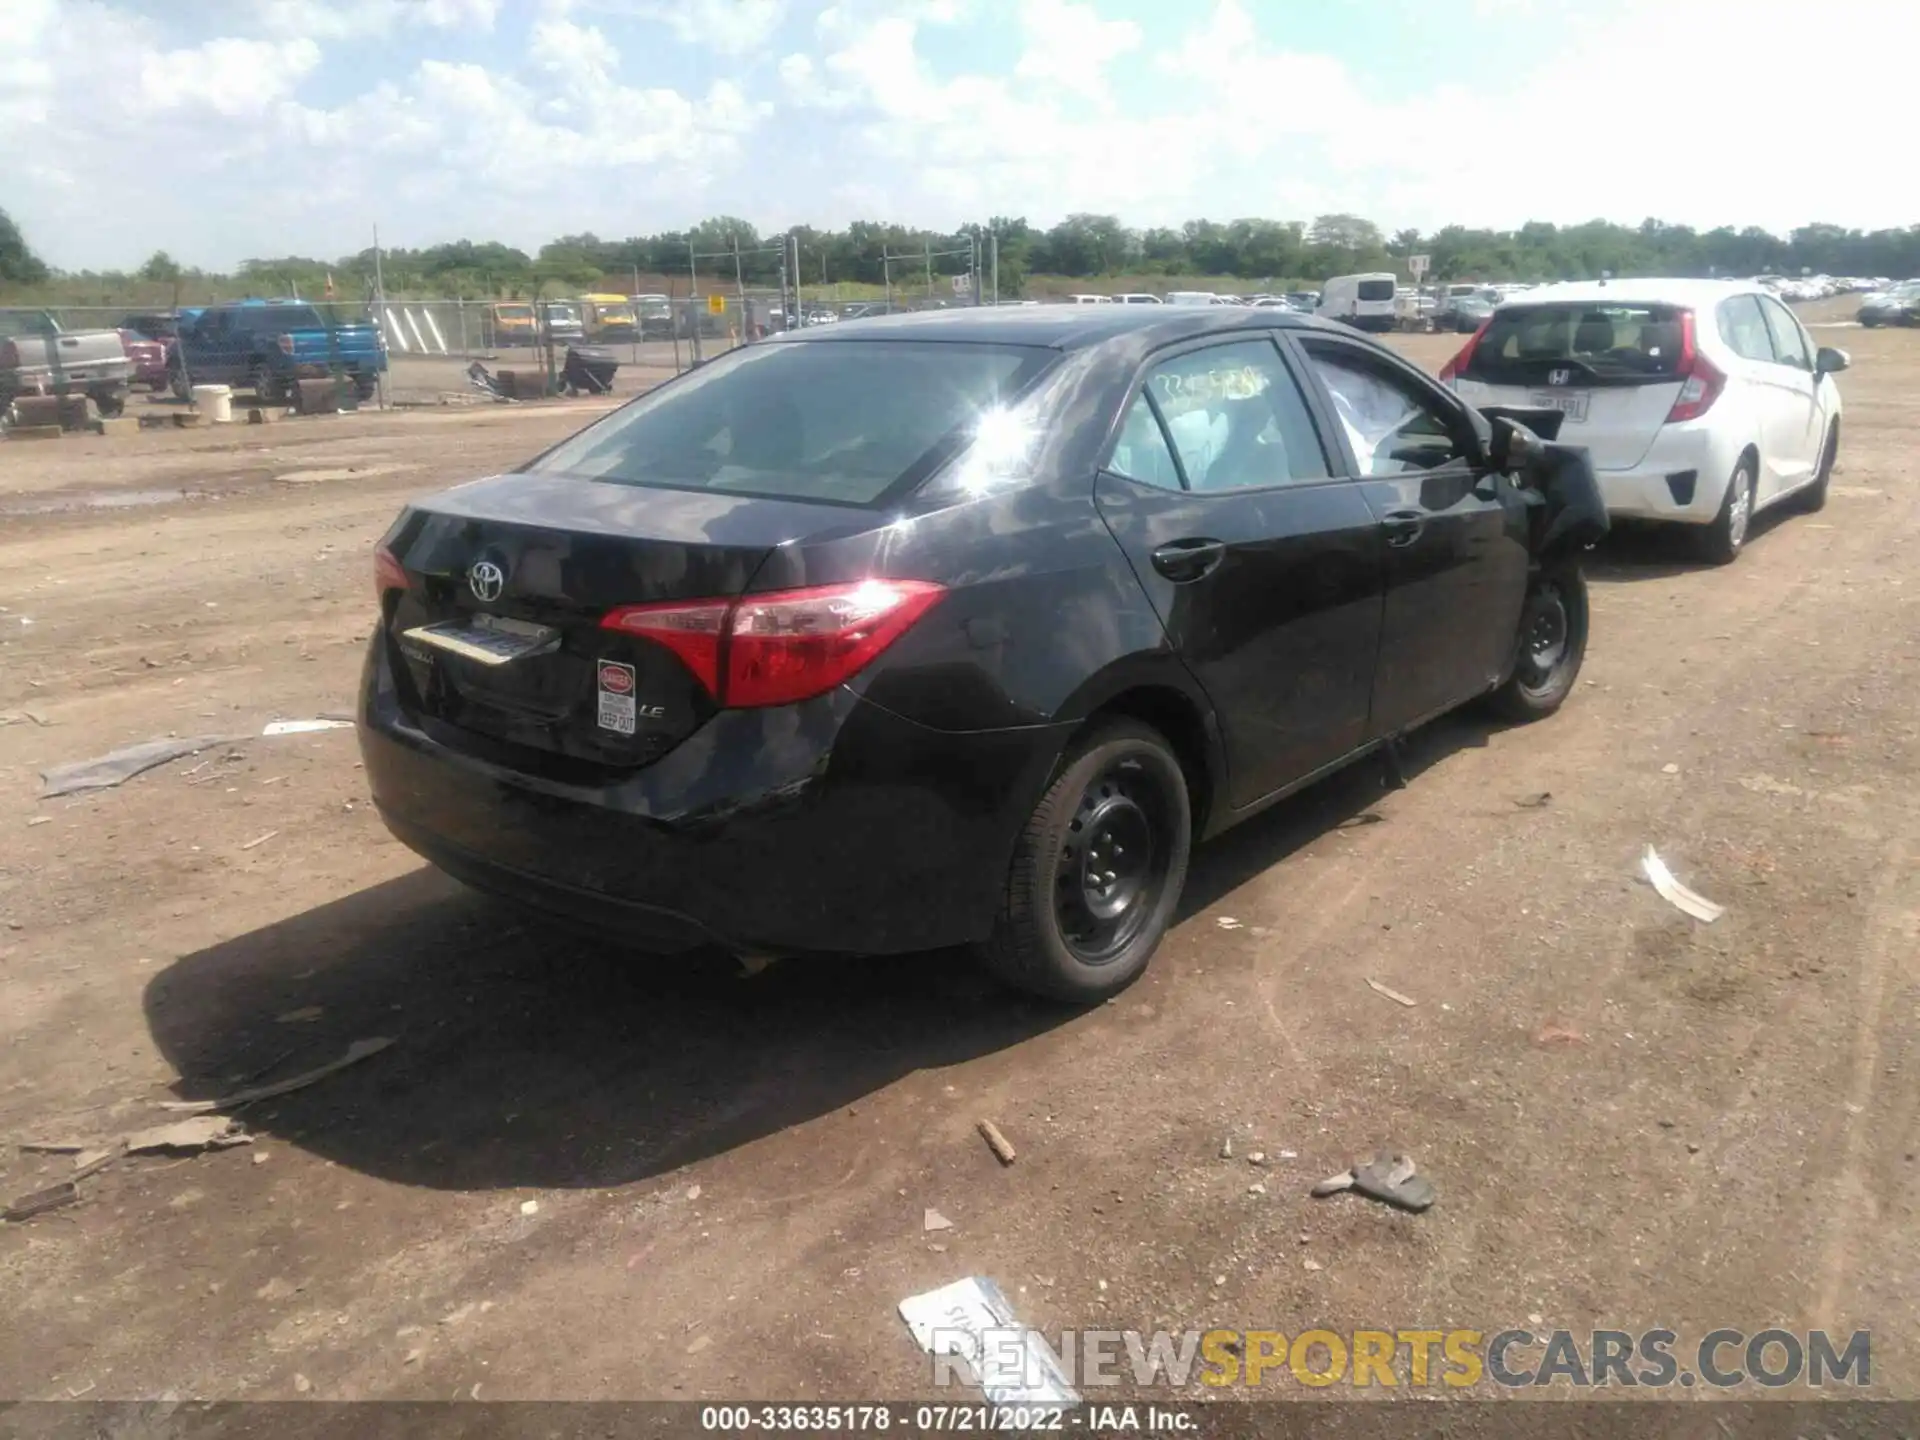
<point x="498" y="630"/>
<point x="1614" y="369"/>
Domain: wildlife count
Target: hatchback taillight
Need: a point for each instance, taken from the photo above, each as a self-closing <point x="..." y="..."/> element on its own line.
<point x="1455" y="367"/>
<point x="1701" y="381"/>
<point x="783" y="646"/>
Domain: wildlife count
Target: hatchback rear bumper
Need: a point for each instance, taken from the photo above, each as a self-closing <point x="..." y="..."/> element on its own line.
<point x="833" y="825"/>
<point x="1682" y="477"/>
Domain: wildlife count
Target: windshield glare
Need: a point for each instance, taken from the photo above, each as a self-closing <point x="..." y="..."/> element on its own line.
<point x="839" y="421"/>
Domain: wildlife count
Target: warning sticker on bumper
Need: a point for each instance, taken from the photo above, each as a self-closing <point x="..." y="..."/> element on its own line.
<point x="616" y="697"/>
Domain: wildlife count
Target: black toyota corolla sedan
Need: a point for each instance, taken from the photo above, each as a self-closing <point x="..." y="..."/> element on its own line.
<point x="956" y="628"/>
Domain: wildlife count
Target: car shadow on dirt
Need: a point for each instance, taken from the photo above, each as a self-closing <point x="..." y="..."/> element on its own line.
<point x="527" y="1055"/>
<point x="1633" y="552"/>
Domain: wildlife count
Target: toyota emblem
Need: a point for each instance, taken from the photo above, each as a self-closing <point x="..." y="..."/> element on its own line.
<point x="486" y="579"/>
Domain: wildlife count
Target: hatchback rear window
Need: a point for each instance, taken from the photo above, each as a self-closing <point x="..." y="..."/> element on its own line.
<point x="839" y="421"/>
<point x="1374" y="290"/>
<point x="1623" y="342"/>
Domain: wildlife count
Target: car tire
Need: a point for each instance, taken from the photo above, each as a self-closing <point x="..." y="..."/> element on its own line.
<point x="1814" y="497"/>
<point x="178" y="382"/>
<point x="364" y="389"/>
<point x="1550" y="646"/>
<point x="1067" y="929"/>
<point x="110" y="402"/>
<point x="1722" y="541"/>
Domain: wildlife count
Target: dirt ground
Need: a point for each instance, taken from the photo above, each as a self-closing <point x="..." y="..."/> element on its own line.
<point x="578" y="1174"/>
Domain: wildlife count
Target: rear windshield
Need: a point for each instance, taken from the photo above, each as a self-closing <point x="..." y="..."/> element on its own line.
<point x="1604" y="341"/>
<point x="1375" y="290"/>
<point x="830" y="420"/>
<point x="514" y="312"/>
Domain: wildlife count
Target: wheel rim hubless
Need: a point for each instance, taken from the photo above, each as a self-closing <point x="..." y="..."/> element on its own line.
<point x="1112" y="865"/>
<point x="1546" y="637"/>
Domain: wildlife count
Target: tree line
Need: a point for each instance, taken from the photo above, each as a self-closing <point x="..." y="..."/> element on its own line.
<point x="1082" y="247"/>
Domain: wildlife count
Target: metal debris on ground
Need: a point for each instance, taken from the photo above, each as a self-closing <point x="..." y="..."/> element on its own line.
<point x="1676" y="894"/>
<point x="259" y="840"/>
<point x="1388" y="1178"/>
<point x="52" y="1147"/>
<point x="356" y="1052"/>
<point x="41" y="1201"/>
<point x="1227" y="922"/>
<point x="189" y="1137"/>
<point x="934" y="1220"/>
<point x="954" y="1320"/>
<point x="1391" y="994"/>
<point x="119" y="766"/>
<point x="996" y="1142"/>
<point x="91" y="1162"/>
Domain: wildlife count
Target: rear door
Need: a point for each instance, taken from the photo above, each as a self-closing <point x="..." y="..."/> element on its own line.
<point x="1612" y="368"/>
<point x="1796" y="425"/>
<point x="1454" y="533"/>
<point x="1263" y="565"/>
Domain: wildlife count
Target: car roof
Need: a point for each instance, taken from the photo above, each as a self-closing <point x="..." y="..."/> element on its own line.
<point x="1065" y="327"/>
<point x="1635" y="292"/>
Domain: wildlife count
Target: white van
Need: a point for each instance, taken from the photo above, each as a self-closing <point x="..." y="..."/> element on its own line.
<point x="1191" y="297"/>
<point x="1365" y="302"/>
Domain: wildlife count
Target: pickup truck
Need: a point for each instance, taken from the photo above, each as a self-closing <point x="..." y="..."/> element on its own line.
<point x="37" y="357"/>
<point x="265" y="345"/>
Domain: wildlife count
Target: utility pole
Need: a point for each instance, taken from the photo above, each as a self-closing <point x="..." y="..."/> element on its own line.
<point x="740" y="291"/>
<point x="380" y="299"/>
<point x="994" y="241"/>
<point x="929" y="269"/>
<point x="693" y="294"/>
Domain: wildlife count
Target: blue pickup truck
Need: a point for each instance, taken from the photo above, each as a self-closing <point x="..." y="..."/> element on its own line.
<point x="265" y="345"/>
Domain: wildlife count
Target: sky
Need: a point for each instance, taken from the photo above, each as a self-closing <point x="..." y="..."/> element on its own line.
<point x="277" y="127"/>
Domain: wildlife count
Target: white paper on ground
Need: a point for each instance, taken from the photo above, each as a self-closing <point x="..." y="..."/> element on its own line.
<point x="304" y="727"/>
<point x="972" y="1319"/>
<point x="1676" y="894"/>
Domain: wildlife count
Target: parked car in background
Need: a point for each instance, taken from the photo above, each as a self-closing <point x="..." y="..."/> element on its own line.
<point x="150" y="358"/>
<point x="1897" y="305"/>
<point x="266" y="345"/>
<point x="1466" y="314"/>
<point x="1701" y="402"/>
<point x="955" y="628"/>
<point x="561" y="321"/>
<point x="38" y="357"/>
<point x="161" y="325"/>
<point x="609" y="318"/>
<point x="508" y="323"/>
<point x="1138" y="298"/>
<point x="823" y="316"/>
<point x="1191" y="297"/>
<point x="653" y="313"/>
<point x="1089" y="299"/>
<point x="1365" y="302"/>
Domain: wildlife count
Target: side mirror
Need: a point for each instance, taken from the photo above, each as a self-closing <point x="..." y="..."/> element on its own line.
<point x="1830" y="361"/>
<point x="1513" y="445"/>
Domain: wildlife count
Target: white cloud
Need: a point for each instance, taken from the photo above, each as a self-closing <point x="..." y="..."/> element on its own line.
<point x="348" y="19"/>
<point x="228" y="76"/>
<point x="732" y="27"/>
<point x="1070" y="46"/>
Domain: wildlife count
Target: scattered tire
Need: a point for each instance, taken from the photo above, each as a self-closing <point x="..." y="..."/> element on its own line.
<point x="1098" y="869"/>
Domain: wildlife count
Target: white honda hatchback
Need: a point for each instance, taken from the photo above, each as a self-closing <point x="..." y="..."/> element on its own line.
<point x="1700" y="401"/>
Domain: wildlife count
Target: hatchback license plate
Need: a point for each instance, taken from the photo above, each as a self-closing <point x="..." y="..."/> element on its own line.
<point x="1571" y="403"/>
<point x="488" y="639"/>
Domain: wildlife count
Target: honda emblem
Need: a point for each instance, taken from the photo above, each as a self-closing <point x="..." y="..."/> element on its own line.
<point x="1559" y="377"/>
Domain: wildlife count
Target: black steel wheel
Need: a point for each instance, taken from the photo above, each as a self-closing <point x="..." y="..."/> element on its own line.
<point x="1098" y="870"/>
<point x="1550" y="647"/>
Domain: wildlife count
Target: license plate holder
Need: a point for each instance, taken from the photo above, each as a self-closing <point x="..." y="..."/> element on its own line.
<point x="486" y="639"/>
<point x="1571" y="403"/>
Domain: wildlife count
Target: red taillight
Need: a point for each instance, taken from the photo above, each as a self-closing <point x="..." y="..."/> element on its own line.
<point x="784" y="646"/>
<point x="387" y="573"/>
<point x="1701" y="381"/>
<point x="1453" y="369"/>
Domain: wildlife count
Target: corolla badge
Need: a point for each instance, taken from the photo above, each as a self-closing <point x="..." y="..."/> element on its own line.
<point x="487" y="578"/>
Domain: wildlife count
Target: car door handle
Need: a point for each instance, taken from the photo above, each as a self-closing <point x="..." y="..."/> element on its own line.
<point x="1403" y="527"/>
<point x="1184" y="561"/>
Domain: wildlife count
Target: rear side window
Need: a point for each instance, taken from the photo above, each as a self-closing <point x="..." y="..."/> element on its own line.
<point x="278" y="319"/>
<point x="1596" y="342"/>
<point x="1744" y="329"/>
<point x="1236" y="418"/>
<point x="837" y="421"/>
<point x="1375" y="290"/>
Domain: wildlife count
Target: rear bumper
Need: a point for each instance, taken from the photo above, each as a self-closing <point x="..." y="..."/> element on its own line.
<point x="833" y="825"/>
<point x="1682" y="478"/>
